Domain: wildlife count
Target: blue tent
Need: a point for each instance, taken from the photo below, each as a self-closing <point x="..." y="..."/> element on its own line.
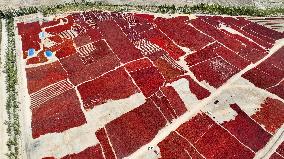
<point x="48" y="53"/>
<point x="31" y="52"/>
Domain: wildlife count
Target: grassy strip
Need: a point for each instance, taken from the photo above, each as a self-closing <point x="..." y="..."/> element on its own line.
<point x="214" y="9"/>
<point x="12" y="106"/>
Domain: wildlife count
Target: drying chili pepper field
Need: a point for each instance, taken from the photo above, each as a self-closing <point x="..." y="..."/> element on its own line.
<point x="113" y="85"/>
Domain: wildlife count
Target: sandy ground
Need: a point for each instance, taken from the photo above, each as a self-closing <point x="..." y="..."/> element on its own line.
<point x="3" y="95"/>
<point x="6" y="4"/>
<point x="23" y="97"/>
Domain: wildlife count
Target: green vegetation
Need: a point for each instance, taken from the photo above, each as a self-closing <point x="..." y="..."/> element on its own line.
<point x="216" y="9"/>
<point x="200" y="8"/>
<point x="12" y="106"/>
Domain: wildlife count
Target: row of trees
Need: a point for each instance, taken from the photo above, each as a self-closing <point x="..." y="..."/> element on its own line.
<point x="8" y="14"/>
<point x="199" y="8"/>
<point x="12" y="105"/>
<point x="217" y="9"/>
